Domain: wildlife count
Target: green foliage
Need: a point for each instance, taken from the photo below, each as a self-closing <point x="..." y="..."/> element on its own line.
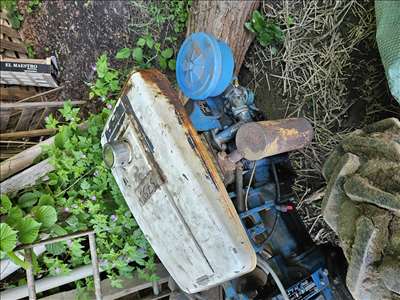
<point x="45" y="214"/>
<point x="12" y="12"/>
<point x="171" y="12"/>
<point x="168" y="17"/>
<point x="81" y="193"/>
<point x="5" y="204"/>
<point x="33" y="5"/>
<point x="51" y="122"/>
<point x="28" y="230"/>
<point x="56" y="266"/>
<point x="146" y="51"/>
<point x="8" y="238"/>
<point x="107" y="84"/>
<point x="267" y="32"/>
<point x="28" y="199"/>
<point x="31" y="51"/>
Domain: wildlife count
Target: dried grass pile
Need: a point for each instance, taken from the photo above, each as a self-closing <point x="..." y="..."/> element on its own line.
<point x="328" y="71"/>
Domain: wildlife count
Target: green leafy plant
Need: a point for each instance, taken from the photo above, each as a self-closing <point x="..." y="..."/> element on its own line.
<point x="107" y="84"/>
<point x="33" y="5"/>
<point x="146" y="52"/>
<point x="80" y="194"/>
<point x="13" y="13"/>
<point x="267" y="32"/>
<point x="151" y="50"/>
<point x="171" y="12"/>
<point x="31" y="51"/>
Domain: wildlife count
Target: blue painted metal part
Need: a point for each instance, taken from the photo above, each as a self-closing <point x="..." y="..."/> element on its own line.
<point x="231" y="294"/>
<point x="321" y="280"/>
<point x="204" y="66"/>
<point x="310" y="287"/>
<point x="205" y="114"/>
<point x="258" y="227"/>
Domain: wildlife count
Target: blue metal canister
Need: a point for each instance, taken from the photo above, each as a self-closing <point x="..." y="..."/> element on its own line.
<point x="204" y="66"/>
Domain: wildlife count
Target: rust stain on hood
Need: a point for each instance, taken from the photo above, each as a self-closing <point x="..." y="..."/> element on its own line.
<point x="162" y="84"/>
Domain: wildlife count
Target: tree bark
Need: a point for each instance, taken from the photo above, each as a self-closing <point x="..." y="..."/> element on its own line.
<point x="225" y="20"/>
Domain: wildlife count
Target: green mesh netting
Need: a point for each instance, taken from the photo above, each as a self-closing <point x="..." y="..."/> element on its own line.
<point x="388" y="38"/>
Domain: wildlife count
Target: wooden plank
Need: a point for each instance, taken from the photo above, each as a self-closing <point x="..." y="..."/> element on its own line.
<point x="41" y="61"/>
<point x="42" y="94"/>
<point x="23" y="105"/>
<point x="37" y="119"/>
<point x="24" y="119"/>
<point x="13" y="46"/>
<point x="16" y="93"/>
<point x="4" y="118"/>
<point x="18" y="142"/>
<point x="109" y="293"/>
<point x="8" y="31"/>
<point x="22" y="160"/>
<point x="5" y="155"/>
<point x="29" y="133"/>
<point x="26" y="178"/>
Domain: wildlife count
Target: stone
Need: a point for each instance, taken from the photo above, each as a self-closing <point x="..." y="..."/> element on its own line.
<point x="361" y="274"/>
<point x="331" y="162"/>
<point x="393" y="248"/>
<point x="349" y="213"/>
<point x="389" y="271"/>
<point x="383" y="125"/>
<point x="360" y="190"/>
<point x="334" y="196"/>
<point x="372" y="147"/>
<point x="383" y="174"/>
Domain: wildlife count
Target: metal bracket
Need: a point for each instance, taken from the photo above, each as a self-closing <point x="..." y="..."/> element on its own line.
<point x="93" y="253"/>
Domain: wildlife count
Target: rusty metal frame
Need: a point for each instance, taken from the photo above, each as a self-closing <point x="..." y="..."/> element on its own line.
<point x="93" y="253"/>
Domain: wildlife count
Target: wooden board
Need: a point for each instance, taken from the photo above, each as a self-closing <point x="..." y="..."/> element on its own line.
<point x="22" y="160"/>
<point x="26" y="178"/>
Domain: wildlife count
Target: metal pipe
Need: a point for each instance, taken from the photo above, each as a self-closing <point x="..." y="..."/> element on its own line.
<point x="55" y="240"/>
<point x="95" y="266"/>
<point x="47" y="283"/>
<point x="240" y="206"/>
<point x="257" y="140"/>
<point x="30" y="279"/>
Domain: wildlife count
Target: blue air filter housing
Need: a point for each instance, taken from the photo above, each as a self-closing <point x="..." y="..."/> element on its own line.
<point x="204" y="66"/>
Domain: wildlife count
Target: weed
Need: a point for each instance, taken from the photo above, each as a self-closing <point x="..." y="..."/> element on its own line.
<point x="107" y="83"/>
<point x="168" y="17"/>
<point x="13" y="13"/>
<point x="267" y="32"/>
<point x="81" y="193"/>
<point x="33" y="5"/>
<point x="146" y="51"/>
<point x="31" y="51"/>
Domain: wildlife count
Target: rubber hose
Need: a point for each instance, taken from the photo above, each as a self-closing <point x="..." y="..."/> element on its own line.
<point x="263" y="264"/>
<point x="240" y="206"/>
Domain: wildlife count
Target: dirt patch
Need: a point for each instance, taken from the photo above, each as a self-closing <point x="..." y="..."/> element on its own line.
<point x="77" y="33"/>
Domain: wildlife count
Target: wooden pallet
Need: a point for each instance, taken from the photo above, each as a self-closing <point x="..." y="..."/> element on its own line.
<point x="29" y="113"/>
<point x="22" y="123"/>
<point x="12" y="46"/>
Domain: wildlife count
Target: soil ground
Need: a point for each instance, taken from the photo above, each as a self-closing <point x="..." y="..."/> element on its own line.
<point x="77" y="33"/>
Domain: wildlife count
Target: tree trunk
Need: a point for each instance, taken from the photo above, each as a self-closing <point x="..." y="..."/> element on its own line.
<point x="225" y="20"/>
